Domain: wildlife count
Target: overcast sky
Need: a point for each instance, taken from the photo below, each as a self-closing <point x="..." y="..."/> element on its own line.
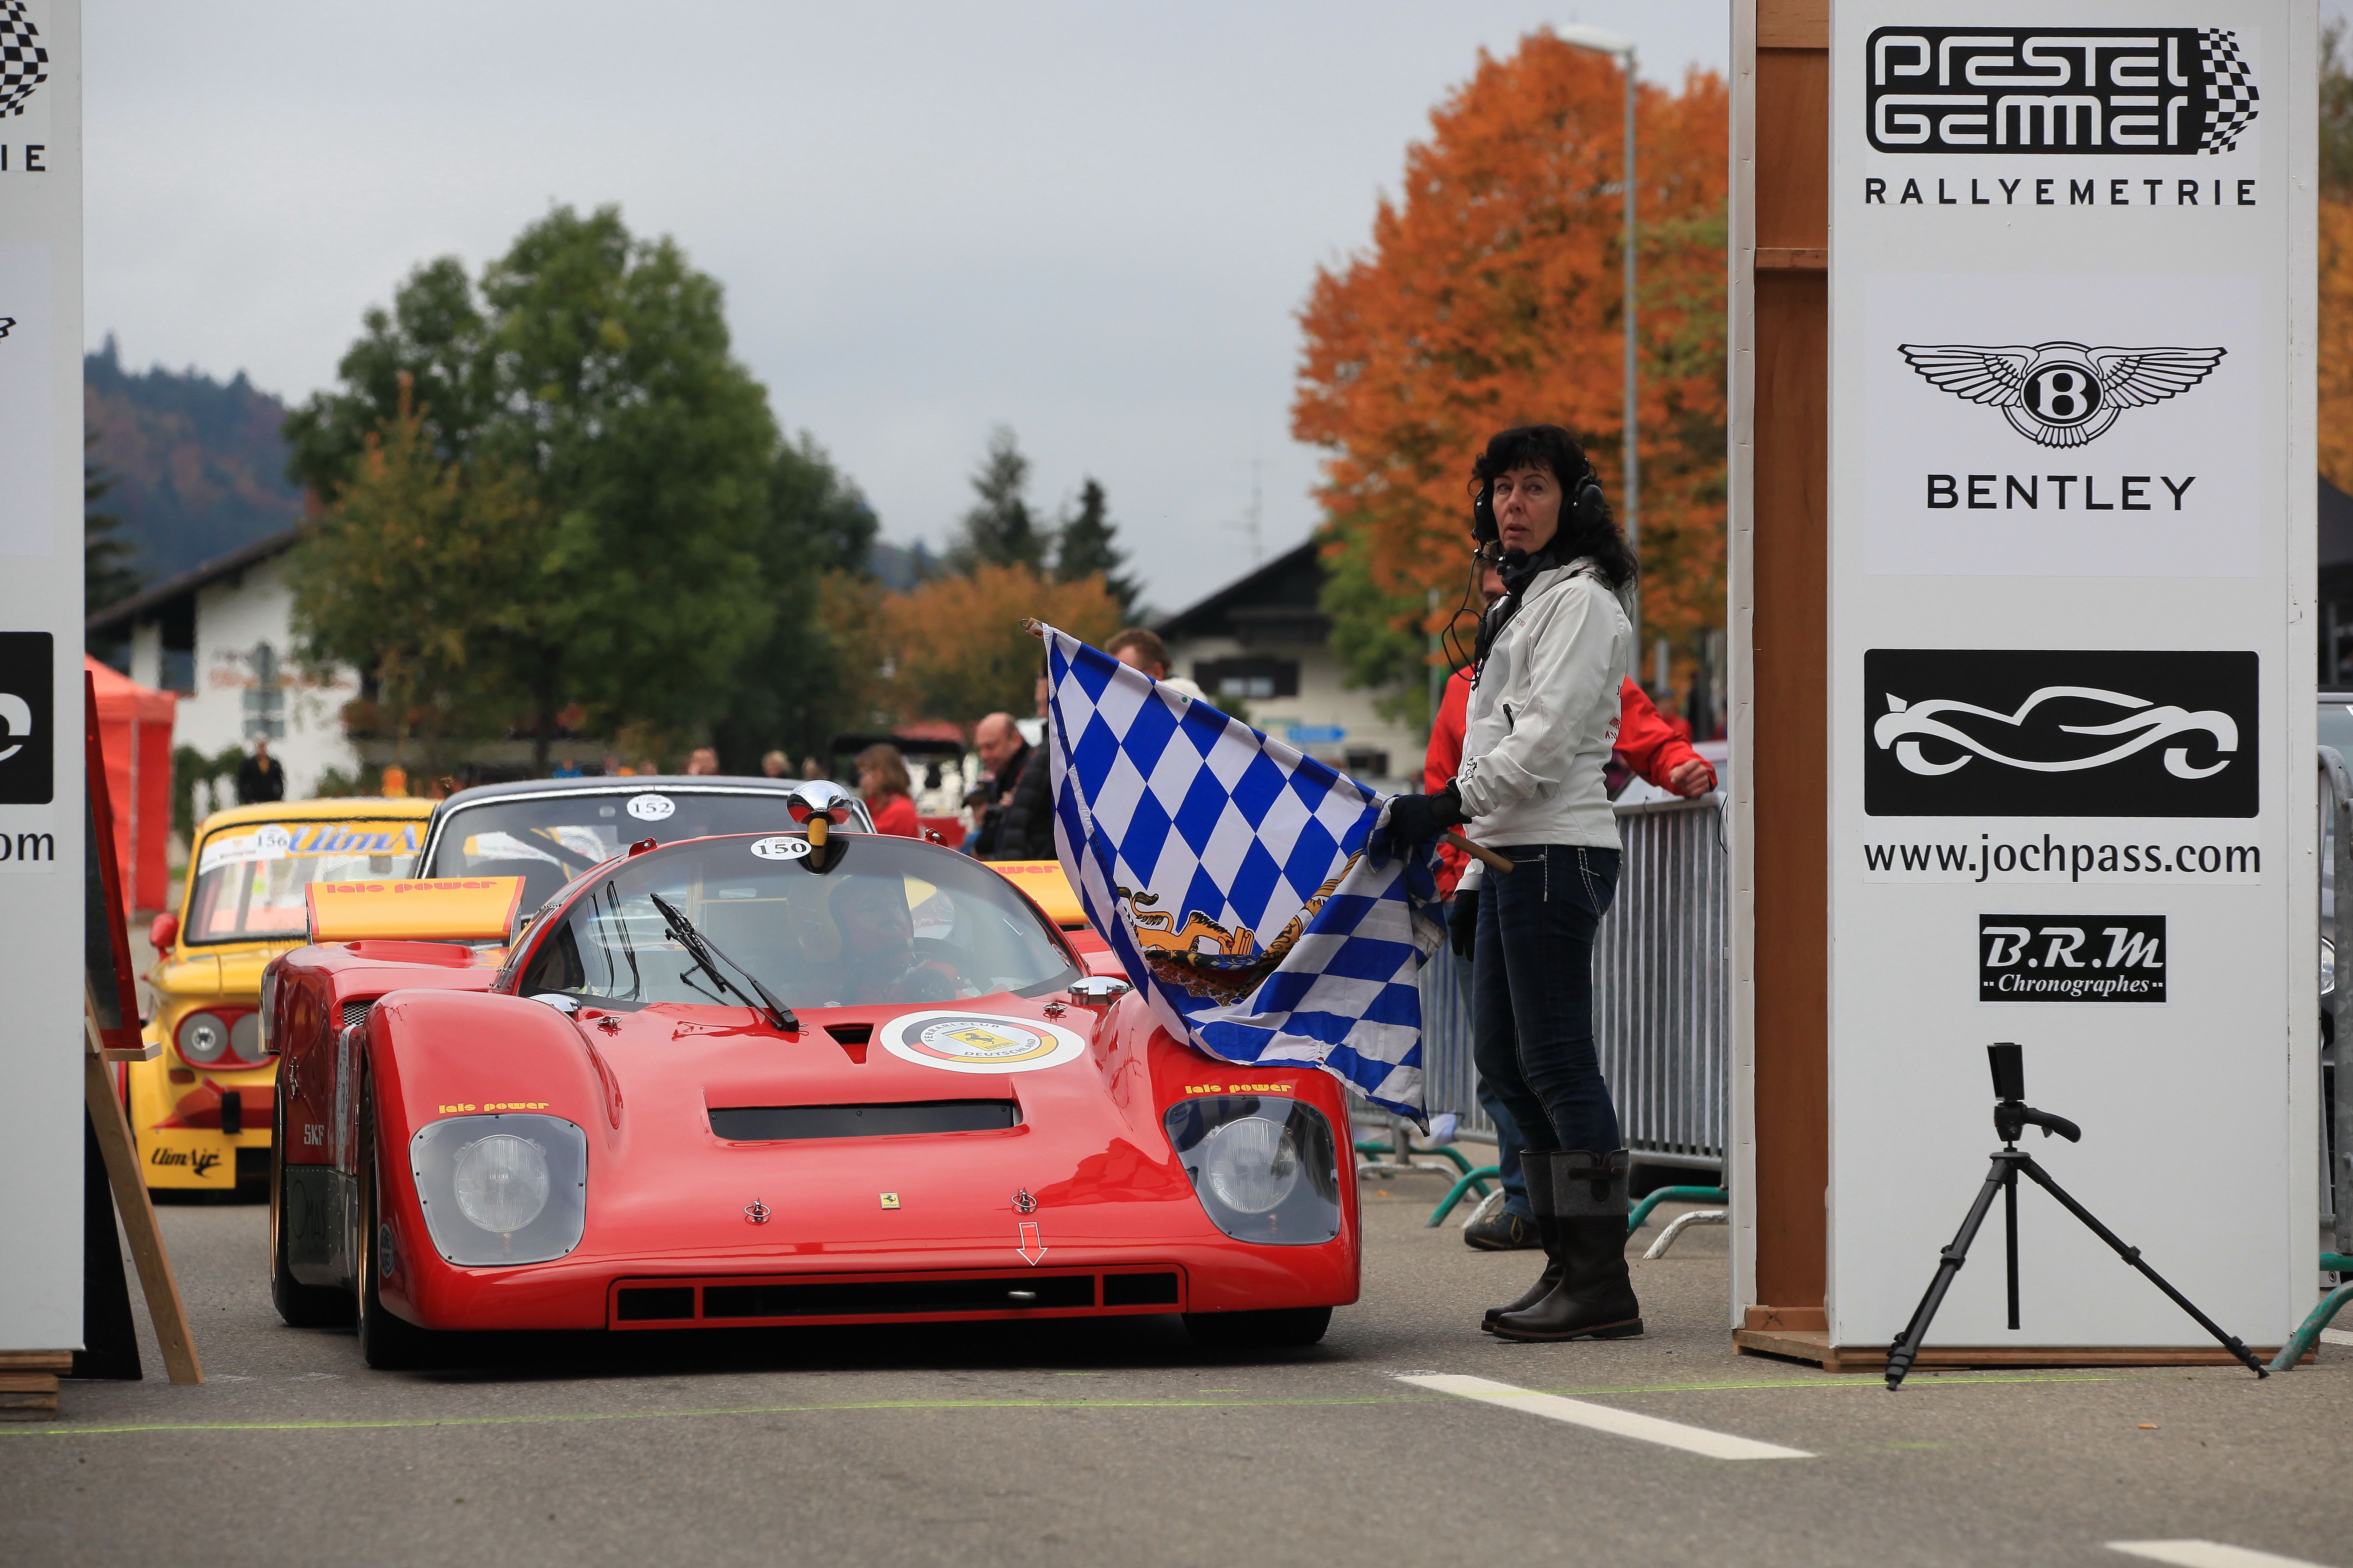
<point x="1090" y="222"/>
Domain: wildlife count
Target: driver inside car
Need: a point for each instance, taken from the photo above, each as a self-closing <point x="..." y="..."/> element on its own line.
<point x="878" y="954"/>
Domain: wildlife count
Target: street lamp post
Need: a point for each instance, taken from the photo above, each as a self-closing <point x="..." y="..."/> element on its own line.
<point x="1630" y="508"/>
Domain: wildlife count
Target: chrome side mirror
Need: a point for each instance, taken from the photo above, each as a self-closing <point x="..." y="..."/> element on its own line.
<point x="1098" y="991"/>
<point x="567" y="1005"/>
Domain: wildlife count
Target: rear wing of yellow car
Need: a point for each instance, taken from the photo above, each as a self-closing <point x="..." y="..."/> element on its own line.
<point x="445" y="909"/>
<point x="1044" y="882"/>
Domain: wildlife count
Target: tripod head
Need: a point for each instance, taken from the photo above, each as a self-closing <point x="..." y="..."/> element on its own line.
<point x="2012" y="1115"/>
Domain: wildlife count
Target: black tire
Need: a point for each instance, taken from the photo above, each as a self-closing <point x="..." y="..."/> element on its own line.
<point x="388" y="1342"/>
<point x="302" y="1306"/>
<point x="1279" y="1329"/>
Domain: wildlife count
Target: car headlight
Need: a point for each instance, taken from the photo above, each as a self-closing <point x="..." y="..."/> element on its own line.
<point x="2327" y="966"/>
<point x="502" y="1189"/>
<point x="1263" y="1168"/>
<point x="203" y="1037"/>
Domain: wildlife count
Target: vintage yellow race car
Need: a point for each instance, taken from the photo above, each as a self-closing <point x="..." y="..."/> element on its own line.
<point x="201" y="1110"/>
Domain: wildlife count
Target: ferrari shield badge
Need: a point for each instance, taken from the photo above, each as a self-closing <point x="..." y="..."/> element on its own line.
<point x="981" y="1042"/>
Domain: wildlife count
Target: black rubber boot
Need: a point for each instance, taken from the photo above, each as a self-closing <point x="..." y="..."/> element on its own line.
<point x="1596" y="1297"/>
<point x="1538" y="1166"/>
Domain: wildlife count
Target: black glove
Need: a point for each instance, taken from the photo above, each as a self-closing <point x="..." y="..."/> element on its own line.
<point x="1417" y="818"/>
<point x="1462" y="924"/>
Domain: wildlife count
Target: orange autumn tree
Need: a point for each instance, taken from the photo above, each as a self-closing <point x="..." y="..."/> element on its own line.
<point x="1491" y="296"/>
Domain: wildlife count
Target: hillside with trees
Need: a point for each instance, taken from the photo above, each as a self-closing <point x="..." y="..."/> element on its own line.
<point x="192" y="467"/>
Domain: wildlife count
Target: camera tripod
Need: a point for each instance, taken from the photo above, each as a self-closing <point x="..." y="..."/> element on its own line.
<point x="2012" y="1117"/>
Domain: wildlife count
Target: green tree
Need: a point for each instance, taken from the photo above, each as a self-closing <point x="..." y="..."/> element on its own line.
<point x="1000" y="529"/>
<point x="108" y="577"/>
<point x="794" y="690"/>
<point x="434" y="334"/>
<point x="408" y="576"/>
<point x="594" y="370"/>
<point x="1084" y="547"/>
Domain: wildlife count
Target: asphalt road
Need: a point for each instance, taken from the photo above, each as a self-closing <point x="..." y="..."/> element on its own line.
<point x="1122" y="1444"/>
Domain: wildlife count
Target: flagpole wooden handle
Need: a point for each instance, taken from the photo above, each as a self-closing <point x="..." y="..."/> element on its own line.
<point x="1484" y="856"/>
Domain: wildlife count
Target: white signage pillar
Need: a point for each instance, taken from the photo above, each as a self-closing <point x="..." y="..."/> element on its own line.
<point x="40" y="672"/>
<point x="2072" y="801"/>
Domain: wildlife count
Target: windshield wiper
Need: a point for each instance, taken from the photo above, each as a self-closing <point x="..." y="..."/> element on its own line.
<point x="700" y="948"/>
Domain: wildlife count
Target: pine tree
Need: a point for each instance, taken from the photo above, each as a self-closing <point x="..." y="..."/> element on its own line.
<point x="1085" y="548"/>
<point x="108" y="577"/>
<point x="1000" y="531"/>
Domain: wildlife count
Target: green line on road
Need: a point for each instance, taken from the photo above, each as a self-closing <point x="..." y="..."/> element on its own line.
<point x="68" y="1430"/>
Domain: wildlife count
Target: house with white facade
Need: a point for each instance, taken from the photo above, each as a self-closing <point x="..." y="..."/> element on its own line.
<point x="1264" y="641"/>
<point x="222" y="636"/>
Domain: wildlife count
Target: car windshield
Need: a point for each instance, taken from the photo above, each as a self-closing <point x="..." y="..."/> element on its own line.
<point x="250" y="878"/>
<point x="549" y="840"/>
<point x="890" y="921"/>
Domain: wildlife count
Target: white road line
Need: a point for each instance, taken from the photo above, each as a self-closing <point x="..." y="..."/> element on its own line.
<point x="2206" y="1554"/>
<point x="1602" y="1419"/>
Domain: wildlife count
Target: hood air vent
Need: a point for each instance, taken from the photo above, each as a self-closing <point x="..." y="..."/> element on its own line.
<point x="775" y="1123"/>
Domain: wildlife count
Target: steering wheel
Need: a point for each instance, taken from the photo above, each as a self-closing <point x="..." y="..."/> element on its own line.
<point x="922" y="982"/>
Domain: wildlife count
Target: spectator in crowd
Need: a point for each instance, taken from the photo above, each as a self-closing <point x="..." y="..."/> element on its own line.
<point x="883" y="783"/>
<point x="1650" y="746"/>
<point x="260" y="777"/>
<point x="395" y="785"/>
<point x="1026" y="831"/>
<point x="1141" y="649"/>
<point x="815" y="768"/>
<point x="1003" y="754"/>
<point x="775" y="765"/>
<point x="569" y="768"/>
<point x="611" y="768"/>
<point x="702" y="763"/>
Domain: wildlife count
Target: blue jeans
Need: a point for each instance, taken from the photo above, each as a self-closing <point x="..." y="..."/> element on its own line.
<point x="1531" y="993"/>
<point x="1507" y="1132"/>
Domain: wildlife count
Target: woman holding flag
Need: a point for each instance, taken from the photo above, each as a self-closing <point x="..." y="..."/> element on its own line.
<point x="1543" y="713"/>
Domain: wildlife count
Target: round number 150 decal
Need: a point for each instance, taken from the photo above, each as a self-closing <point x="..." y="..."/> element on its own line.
<point x="981" y="1042"/>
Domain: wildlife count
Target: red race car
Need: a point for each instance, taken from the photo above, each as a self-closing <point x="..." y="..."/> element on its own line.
<point x="770" y="1079"/>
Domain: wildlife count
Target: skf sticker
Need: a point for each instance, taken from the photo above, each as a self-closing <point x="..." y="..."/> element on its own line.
<point x="981" y="1042"/>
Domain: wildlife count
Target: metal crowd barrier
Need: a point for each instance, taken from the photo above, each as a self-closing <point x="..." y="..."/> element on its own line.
<point x="1661" y="988"/>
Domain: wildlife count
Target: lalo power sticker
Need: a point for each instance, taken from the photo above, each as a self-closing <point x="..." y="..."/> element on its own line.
<point x="780" y="849"/>
<point x="981" y="1042"/>
<point x="651" y="807"/>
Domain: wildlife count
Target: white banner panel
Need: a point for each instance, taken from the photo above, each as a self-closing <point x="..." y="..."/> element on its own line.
<point x="2072" y="514"/>
<point x="40" y="671"/>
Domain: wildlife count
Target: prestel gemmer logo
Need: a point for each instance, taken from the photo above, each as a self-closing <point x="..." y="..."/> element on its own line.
<point x="2136" y="91"/>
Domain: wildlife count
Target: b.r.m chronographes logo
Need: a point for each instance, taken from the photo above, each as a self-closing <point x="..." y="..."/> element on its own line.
<point x="23" y="60"/>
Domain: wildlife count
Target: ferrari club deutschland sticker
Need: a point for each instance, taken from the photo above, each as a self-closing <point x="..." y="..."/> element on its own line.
<point x="981" y="1042"/>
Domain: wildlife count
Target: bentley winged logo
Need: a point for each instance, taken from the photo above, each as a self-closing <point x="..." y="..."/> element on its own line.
<point x="2061" y="393"/>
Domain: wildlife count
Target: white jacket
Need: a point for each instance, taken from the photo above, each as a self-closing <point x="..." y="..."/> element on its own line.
<point x="1544" y="716"/>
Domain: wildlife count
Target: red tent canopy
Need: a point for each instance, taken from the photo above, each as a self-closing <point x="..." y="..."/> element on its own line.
<point x="134" y="728"/>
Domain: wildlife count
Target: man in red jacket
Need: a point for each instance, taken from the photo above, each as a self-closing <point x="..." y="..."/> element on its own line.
<point x="1650" y="745"/>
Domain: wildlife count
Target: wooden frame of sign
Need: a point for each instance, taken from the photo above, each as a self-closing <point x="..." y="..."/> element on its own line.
<point x="110" y="1033"/>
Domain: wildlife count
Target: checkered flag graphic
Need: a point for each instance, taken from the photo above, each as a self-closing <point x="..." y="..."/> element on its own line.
<point x="24" y="63"/>
<point x="2230" y="89"/>
<point x="1227" y="872"/>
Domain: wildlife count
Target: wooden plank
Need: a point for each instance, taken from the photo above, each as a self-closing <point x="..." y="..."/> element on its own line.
<point x="1790" y="594"/>
<point x="164" y="1303"/>
<point x="37" y="1361"/>
<point x="1788" y="1319"/>
<point x="28" y="1407"/>
<point x="1792" y="258"/>
<point x="28" y="1382"/>
<point x="1793" y="24"/>
<point x="1816" y="1348"/>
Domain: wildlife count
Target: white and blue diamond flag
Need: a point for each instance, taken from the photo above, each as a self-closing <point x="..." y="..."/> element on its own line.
<point x="1227" y="872"/>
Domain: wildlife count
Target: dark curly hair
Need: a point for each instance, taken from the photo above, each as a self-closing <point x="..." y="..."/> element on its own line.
<point x="1586" y="529"/>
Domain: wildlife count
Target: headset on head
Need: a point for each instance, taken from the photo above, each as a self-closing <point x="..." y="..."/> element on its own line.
<point x="1587" y="506"/>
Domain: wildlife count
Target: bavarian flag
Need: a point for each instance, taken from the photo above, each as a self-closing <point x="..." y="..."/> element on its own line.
<point x="1230" y="873"/>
